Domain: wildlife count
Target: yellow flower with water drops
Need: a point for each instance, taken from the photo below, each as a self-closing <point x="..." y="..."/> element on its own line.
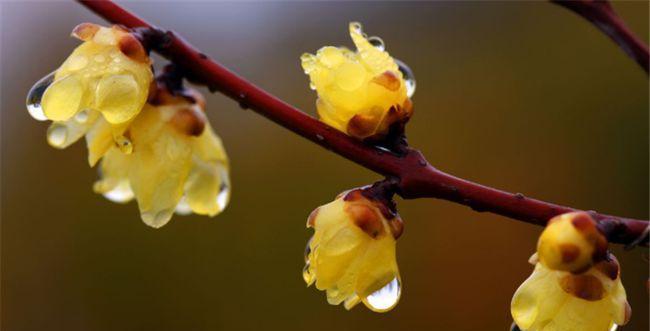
<point x="362" y="93"/>
<point x="351" y="255"/>
<point x="107" y="76"/>
<point x="592" y="299"/>
<point x="177" y="162"/>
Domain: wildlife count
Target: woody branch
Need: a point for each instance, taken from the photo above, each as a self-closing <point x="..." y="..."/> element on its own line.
<point x="413" y="175"/>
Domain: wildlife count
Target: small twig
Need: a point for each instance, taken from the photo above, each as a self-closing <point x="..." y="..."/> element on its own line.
<point x="415" y="177"/>
<point x="601" y="14"/>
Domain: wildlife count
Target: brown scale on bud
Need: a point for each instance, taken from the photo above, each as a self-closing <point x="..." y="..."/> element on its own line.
<point x="570" y="252"/>
<point x="609" y="267"/>
<point x="587" y="226"/>
<point x="395" y="223"/>
<point x="388" y="80"/>
<point x="361" y="126"/>
<point x="366" y="218"/>
<point x="130" y="46"/>
<point x="587" y="287"/>
<point x="189" y="121"/>
<point x="311" y="220"/>
<point x="85" y="31"/>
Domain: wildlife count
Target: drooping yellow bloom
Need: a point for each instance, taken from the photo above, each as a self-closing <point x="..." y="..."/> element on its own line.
<point x="107" y="76"/>
<point x="352" y="252"/>
<point x="360" y="93"/>
<point x="177" y="163"/>
<point x="590" y="299"/>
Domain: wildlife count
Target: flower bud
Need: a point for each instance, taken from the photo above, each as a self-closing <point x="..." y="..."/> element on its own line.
<point x="352" y="253"/>
<point x="362" y="93"/>
<point x="571" y="242"/>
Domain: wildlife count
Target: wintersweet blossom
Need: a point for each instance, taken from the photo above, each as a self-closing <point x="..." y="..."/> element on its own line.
<point x="362" y="93"/>
<point x="177" y="163"/>
<point x="352" y="253"/>
<point x="107" y="76"/>
<point x="590" y="297"/>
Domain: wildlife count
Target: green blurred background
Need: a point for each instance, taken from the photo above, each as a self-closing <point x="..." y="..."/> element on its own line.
<point x="522" y="96"/>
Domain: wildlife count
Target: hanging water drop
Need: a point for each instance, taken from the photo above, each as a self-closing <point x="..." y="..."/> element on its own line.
<point x="124" y="144"/>
<point x="81" y="116"/>
<point x="409" y="77"/>
<point x="224" y="191"/>
<point x="386" y="297"/>
<point x="35" y="95"/>
<point x="183" y="207"/>
<point x="121" y="193"/>
<point x="377" y="42"/>
<point x="57" y="135"/>
<point x="157" y="219"/>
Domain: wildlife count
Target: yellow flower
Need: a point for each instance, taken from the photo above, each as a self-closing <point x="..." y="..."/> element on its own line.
<point x="177" y="162"/>
<point x="109" y="74"/>
<point x="352" y="252"/>
<point x="590" y="299"/>
<point x="360" y="93"/>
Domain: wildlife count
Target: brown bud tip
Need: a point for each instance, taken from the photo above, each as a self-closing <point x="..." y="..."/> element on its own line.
<point x="569" y="252"/>
<point x="361" y="126"/>
<point x="587" y="287"/>
<point x="131" y="47"/>
<point x="366" y="218"/>
<point x="85" y="31"/>
<point x="388" y="80"/>
<point x="189" y="121"/>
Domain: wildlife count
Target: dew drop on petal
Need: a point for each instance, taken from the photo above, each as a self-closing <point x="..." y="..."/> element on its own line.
<point x="157" y="219"/>
<point x="614" y="327"/>
<point x="377" y="42"/>
<point x="76" y="62"/>
<point x="121" y="193"/>
<point x="224" y="190"/>
<point x="183" y="208"/>
<point x="124" y="144"/>
<point x="409" y="77"/>
<point x="35" y="95"/>
<point x="386" y="297"/>
<point x="81" y="116"/>
<point x="57" y="135"/>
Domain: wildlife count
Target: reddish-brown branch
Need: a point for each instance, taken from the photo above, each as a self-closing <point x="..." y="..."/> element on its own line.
<point x="601" y="14"/>
<point x="417" y="178"/>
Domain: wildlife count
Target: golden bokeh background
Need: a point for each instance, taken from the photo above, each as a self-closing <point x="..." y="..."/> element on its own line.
<point x="523" y="96"/>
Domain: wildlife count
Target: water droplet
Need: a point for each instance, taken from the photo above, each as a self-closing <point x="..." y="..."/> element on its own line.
<point x="614" y="327"/>
<point x="35" y="95"/>
<point x="377" y="42"/>
<point x="157" y="219"/>
<point x="57" y="135"/>
<point x="224" y="190"/>
<point x="320" y="137"/>
<point x="99" y="58"/>
<point x="409" y="77"/>
<point x="81" y="116"/>
<point x="183" y="208"/>
<point x="307" y="275"/>
<point x="121" y="193"/>
<point x="76" y="62"/>
<point x="312" y="86"/>
<point x="124" y="144"/>
<point x="386" y="297"/>
<point x="351" y="301"/>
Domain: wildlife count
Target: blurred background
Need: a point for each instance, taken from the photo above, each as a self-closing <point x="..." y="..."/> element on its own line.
<point x="523" y="96"/>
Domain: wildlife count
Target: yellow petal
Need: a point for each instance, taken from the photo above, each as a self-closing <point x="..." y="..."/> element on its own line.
<point x="63" y="98"/>
<point x="118" y="98"/>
